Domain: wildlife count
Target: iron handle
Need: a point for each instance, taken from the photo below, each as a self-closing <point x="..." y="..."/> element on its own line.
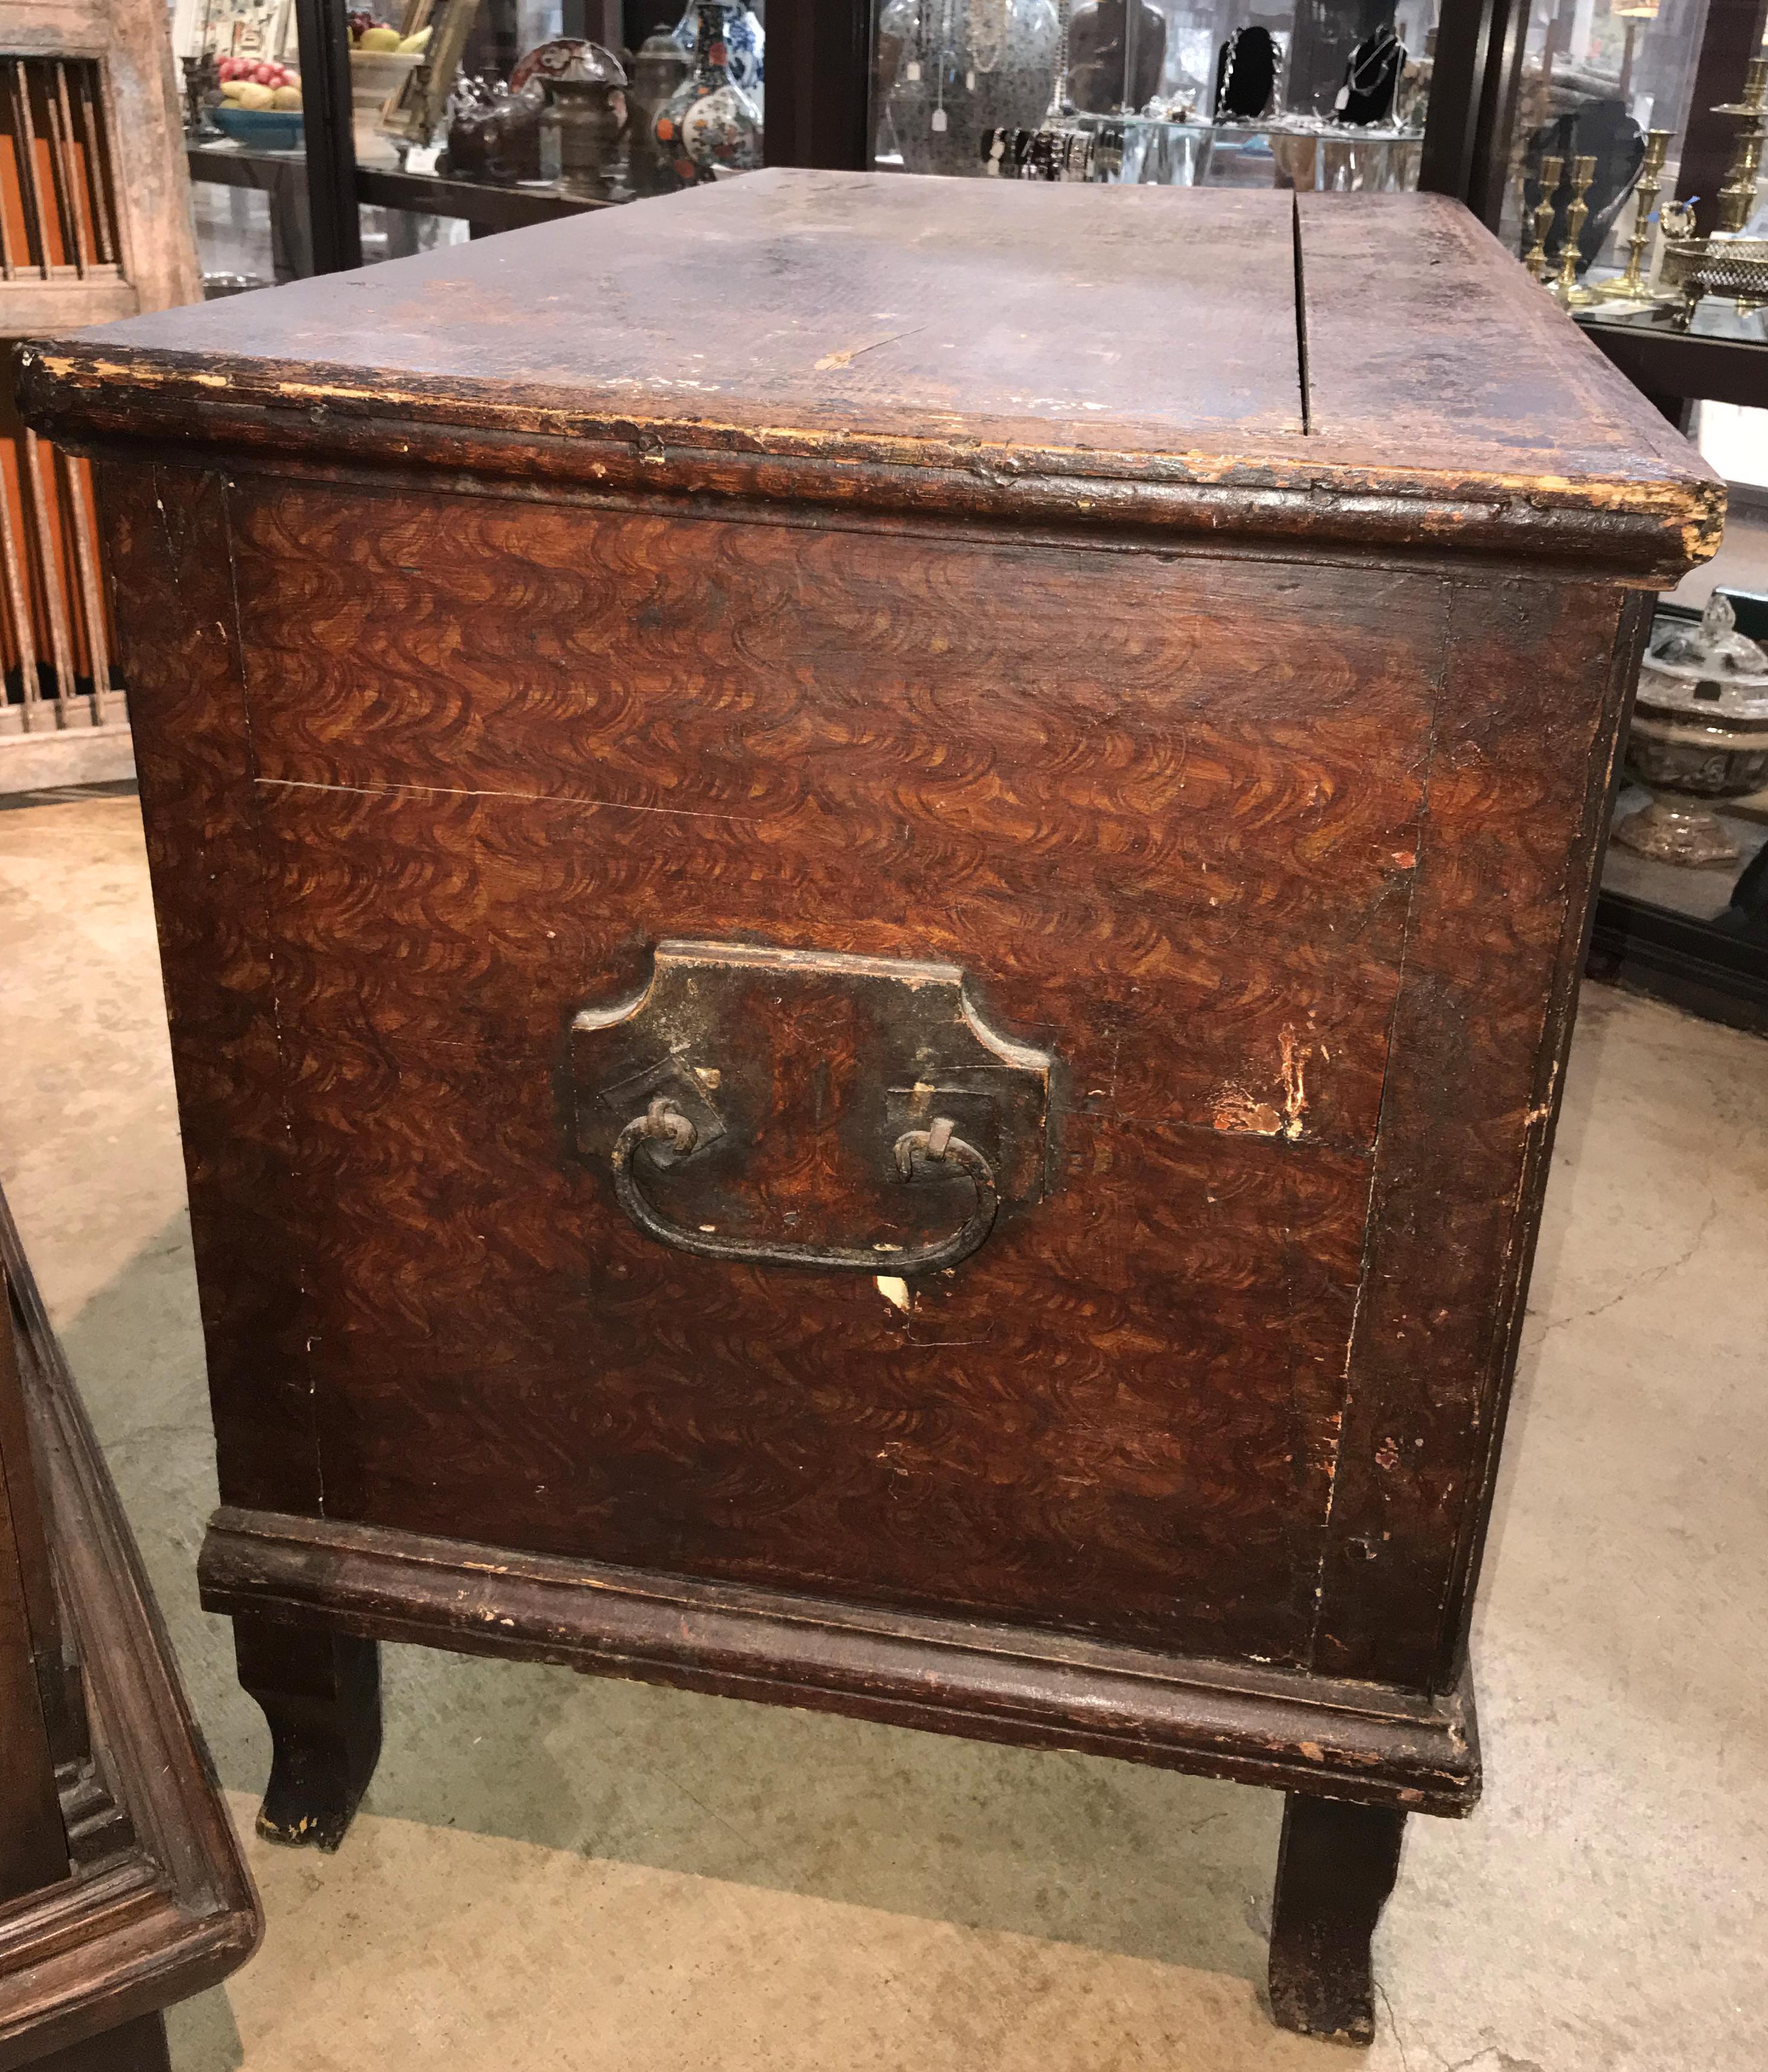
<point x="915" y="1149"/>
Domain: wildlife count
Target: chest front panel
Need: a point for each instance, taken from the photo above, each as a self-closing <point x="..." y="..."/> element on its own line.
<point x="1161" y="812"/>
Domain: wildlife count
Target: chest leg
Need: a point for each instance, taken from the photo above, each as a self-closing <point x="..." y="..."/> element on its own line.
<point x="321" y="1693"/>
<point x="1334" y="1870"/>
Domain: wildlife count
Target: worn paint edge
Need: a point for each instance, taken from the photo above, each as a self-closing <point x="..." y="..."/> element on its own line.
<point x="1653" y="517"/>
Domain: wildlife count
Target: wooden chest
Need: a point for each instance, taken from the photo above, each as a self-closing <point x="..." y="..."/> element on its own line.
<point x="871" y="890"/>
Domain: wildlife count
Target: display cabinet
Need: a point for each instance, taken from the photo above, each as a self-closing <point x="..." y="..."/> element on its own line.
<point x="1652" y="120"/>
<point x="1156" y="91"/>
<point x="380" y="131"/>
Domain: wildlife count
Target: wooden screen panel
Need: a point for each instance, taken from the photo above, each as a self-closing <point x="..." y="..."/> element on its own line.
<point x="60" y="233"/>
<point x="55" y="639"/>
<point x="58" y="196"/>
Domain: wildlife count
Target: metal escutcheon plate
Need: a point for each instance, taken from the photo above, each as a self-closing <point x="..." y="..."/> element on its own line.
<point x="802" y="1108"/>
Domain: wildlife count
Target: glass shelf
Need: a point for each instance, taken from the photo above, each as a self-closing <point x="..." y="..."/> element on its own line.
<point x="1152" y="150"/>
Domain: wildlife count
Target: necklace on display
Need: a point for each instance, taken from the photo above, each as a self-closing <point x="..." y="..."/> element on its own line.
<point x="940" y="123"/>
<point x="1381" y="52"/>
<point x="1246" y="75"/>
<point x="987" y="39"/>
<point x="1060" y="97"/>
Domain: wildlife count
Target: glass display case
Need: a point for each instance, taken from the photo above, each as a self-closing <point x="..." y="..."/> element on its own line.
<point x="1621" y="166"/>
<point x="1597" y="78"/>
<point x="1624" y="173"/>
<point x="1331" y="95"/>
<point x="416" y="122"/>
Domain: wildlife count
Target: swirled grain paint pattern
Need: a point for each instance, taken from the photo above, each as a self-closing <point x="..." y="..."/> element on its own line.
<point x="501" y="752"/>
<point x="1166" y="811"/>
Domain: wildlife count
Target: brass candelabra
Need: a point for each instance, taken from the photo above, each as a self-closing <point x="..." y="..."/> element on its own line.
<point x="1630" y="287"/>
<point x="1570" y="295"/>
<point x="1535" y="258"/>
<point x="1738" y="196"/>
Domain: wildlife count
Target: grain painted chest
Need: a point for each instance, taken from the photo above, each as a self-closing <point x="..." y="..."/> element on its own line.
<point x="871" y="890"/>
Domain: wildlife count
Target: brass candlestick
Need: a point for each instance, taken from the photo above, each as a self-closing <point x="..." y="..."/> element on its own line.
<point x="1571" y="296"/>
<point x="1738" y="196"/>
<point x="1535" y="258"/>
<point x="1630" y="286"/>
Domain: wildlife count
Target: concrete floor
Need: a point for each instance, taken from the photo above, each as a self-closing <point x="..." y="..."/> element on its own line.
<point x="557" y="1873"/>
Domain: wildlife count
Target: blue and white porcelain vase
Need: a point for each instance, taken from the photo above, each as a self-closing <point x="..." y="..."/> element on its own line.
<point x="709" y="124"/>
<point x="746" y="39"/>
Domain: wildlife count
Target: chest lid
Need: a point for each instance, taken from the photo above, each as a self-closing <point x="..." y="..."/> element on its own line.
<point x="1365" y="368"/>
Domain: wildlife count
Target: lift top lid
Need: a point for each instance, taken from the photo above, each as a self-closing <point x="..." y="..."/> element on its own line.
<point x="1373" y="367"/>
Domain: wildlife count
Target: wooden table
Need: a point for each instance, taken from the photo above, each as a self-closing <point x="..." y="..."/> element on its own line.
<point x="121" y="1888"/>
<point x="281" y="178"/>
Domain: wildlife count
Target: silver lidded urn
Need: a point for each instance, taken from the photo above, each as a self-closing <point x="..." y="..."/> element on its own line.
<point x="1699" y="732"/>
<point x="584" y="117"/>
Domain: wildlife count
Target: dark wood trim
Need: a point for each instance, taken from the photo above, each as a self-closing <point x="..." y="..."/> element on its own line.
<point x="820" y="84"/>
<point x="1670" y="363"/>
<point x="323" y="37"/>
<point x="1690" y="964"/>
<point x="178" y="461"/>
<point x="486" y="207"/>
<point x="173" y="1912"/>
<point x="33" y="1840"/>
<point x="1467" y="34"/>
<point x="1359" y="1742"/>
<point x="527" y="438"/>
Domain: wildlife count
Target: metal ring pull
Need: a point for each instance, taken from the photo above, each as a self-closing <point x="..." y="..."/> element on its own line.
<point x="916" y="1150"/>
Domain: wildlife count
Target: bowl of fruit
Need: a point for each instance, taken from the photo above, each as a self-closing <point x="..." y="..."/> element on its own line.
<point x="381" y="62"/>
<point x="260" y="104"/>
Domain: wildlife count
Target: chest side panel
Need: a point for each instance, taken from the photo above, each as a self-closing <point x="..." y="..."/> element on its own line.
<point x="166" y="549"/>
<point x="1537" y="682"/>
<point x="1164" y="814"/>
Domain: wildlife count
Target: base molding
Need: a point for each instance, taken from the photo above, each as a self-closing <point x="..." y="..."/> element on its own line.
<point x="71" y="755"/>
<point x="1362" y="1742"/>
